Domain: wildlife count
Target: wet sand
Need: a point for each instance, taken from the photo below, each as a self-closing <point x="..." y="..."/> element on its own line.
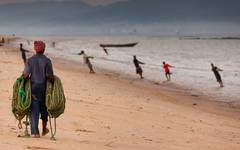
<point x="107" y="112"/>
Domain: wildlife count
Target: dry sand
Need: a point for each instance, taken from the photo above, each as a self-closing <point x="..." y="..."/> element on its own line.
<point x="106" y="112"/>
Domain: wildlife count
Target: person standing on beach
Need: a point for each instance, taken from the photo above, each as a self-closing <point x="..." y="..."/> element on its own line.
<point x="216" y="70"/>
<point x="87" y="61"/>
<point x="53" y="44"/>
<point x="23" y="51"/>
<point x="38" y="69"/>
<point x="167" y="70"/>
<point x="138" y="67"/>
<point x="2" y="42"/>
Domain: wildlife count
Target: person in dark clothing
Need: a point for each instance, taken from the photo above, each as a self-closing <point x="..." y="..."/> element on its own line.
<point x="87" y="61"/>
<point x="216" y="70"/>
<point x="38" y="69"/>
<point x="138" y="67"/>
<point x="105" y="50"/>
<point x="167" y="70"/>
<point x="3" y="40"/>
<point x="53" y="44"/>
<point x="23" y="51"/>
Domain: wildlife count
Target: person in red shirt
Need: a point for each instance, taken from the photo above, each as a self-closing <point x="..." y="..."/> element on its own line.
<point x="167" y="71"/>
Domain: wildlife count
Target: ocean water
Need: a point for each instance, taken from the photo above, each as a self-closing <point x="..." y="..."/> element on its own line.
<point x="191" y="59"/>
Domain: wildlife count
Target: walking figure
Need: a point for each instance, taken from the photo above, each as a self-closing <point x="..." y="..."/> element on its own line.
<point x="53" y="44"/>
<point x="216" y="70"/>
<point x="23" y="51"/>
<point x="87" y="61"/>
<point x="167" y="71"/>
<point x="3" y="40"/>
<point x="138" y="67"/>
<point x="38" y="69"/>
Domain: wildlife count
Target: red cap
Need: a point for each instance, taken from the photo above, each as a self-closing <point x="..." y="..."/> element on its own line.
<point x="39" y="46"/>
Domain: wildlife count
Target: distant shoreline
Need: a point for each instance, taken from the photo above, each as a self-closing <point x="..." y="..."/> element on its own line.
<point x="209" y="38"/>
<point x="159" y="82"/>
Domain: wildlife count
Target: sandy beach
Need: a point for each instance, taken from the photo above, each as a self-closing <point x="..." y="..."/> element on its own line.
<point x="107" y="112"/>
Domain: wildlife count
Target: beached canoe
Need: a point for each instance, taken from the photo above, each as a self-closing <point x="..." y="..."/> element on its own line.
<point x="119" y="45"/>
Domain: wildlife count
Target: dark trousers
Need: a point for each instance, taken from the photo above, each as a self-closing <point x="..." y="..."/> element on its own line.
<point x="37" y="108"/>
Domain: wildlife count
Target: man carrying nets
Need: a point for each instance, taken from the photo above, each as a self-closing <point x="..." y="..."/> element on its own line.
<point x="38" y="69"/>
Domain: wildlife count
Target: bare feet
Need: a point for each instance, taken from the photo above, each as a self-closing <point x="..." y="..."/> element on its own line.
<point x="36" y="136"/>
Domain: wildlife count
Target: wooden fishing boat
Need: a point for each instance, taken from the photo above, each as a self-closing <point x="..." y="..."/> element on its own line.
<point x="119" y="45"/>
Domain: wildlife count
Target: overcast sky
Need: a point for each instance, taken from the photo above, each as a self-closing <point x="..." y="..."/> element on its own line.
<point x="175" y="16"/>
<point x="92" y="2"/>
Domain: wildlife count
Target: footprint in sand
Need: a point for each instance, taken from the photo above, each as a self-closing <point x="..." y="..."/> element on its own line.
<point x="107" y="127"/>
<point x="98" y="99"/>
<point x="163" y="82"/>
<point x="40" y="148"/>
<point x="194" y="95"/>
<point x="12" y="128"/>
<point x="110" y="144"/>
<point x="84" y="141"/>
<point x="108" y="75"/>
<point x="148" y="100"/>
<point x="84" y="130"/>
<point x="146" y="139"/>
<point x="168" y="127"/>
<point x="139" y="108"/>
<point x="194" y="104"/>
<point x="150" y="140"/>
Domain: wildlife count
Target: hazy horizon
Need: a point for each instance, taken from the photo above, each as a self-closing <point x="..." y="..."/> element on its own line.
<point x="123" y="17"/>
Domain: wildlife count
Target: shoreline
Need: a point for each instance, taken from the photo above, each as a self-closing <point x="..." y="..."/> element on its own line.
<point x="161" y="86"/>
<point x="104" y="111"/>
<point x="196" y="82"/>
<point x="192" y="97"/>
